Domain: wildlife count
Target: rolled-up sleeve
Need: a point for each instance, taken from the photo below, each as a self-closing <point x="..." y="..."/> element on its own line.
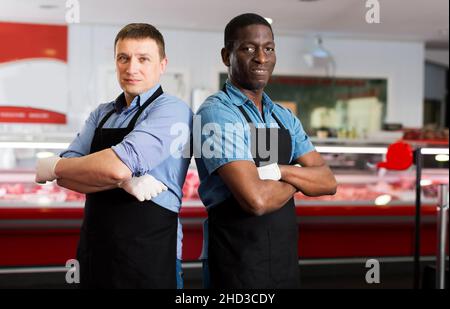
<point x="149" y="143"/>
<point x="81" y="145"/>
<point x="224" y="137"/>
<point x="301" y="143"/>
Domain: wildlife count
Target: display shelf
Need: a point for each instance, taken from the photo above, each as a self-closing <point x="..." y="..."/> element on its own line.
<point x="20" y="189"/>
<point x="40" y="224"/>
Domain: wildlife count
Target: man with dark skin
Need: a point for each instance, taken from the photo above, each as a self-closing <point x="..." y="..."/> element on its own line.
<point x="251" y="233"/>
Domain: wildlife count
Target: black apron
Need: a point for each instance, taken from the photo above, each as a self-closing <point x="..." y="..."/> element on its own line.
<point x="247" y="251"/>
<point x="125" y="243"/>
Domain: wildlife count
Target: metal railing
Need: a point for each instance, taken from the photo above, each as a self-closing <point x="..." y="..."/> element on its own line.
<point x="442" y="223"/>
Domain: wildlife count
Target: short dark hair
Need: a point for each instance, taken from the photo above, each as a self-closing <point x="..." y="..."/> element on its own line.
<point x="239" y="22"/>
<point x="142" y="31"/>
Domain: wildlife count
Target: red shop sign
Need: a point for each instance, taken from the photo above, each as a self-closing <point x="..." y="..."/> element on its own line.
<point x="13" y="114"/>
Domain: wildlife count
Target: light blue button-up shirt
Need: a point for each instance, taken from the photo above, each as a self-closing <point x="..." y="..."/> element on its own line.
<point x="221" y="109"/>
<point x="147" y="149"/>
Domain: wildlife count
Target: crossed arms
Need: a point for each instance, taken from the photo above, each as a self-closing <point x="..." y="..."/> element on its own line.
<point x="95" y="172"/>
<point x="259" y="197"/>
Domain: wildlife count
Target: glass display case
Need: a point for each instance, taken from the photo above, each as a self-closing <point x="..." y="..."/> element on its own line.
<point x="372" y="213"/>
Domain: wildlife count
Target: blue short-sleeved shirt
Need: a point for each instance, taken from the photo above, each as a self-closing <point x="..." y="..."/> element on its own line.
<point x="219" y="116"/>
<point x="149" y="148"/>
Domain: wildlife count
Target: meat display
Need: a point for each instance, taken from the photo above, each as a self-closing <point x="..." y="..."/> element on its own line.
<point x="40" y="194"/>
<point x="402" y="189"/>
<point x="190" y="187"/>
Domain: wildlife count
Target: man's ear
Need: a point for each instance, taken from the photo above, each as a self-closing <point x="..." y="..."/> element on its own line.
<point x="225" y="56"/>
<point x="164" y="65"/>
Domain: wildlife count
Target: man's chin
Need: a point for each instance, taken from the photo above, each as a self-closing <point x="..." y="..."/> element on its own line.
<point x="132" y="91"/>
<point x="256" y="85"/>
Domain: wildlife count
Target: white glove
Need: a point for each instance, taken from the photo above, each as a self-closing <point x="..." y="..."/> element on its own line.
<point x="143" y="187"/>
<point x="45" y="169"/>
<point x="271" y="172"/>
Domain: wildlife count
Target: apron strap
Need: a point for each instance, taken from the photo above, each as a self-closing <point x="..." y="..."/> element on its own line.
<point x="154" y="96"/>
<point x="224" y="89"/>
<point x="280" y="124"/>
<point x="106" y="118"/>
<point x="132" y="122"/>
<point x="245" y="114"/>
<point x="247" y="117"/>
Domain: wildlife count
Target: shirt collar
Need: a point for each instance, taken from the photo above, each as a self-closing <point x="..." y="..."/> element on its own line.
<point x="238" y="98"/>
<point x="120" y="104"/>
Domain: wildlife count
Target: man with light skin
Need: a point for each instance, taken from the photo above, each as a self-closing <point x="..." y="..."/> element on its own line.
<point x="122" y="160"/>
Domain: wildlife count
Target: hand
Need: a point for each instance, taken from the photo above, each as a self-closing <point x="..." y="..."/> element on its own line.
<point x="269" y="172"/>
<point x="143" y="187"/>
<point x="45" y="169"/>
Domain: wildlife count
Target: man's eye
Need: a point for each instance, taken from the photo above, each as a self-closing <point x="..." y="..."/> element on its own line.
<point x="122" y="59"/>
<point x="143" y="59"/>
<point x="270" y="49"/>
<point x="249" y="49"/>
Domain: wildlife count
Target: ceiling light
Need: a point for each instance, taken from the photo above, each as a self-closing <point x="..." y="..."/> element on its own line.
<point x="318" y="57"/>
<point x="320" y="52"/>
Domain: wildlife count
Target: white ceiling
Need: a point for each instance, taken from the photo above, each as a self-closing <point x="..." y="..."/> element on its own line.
<point x="418" y="20"/>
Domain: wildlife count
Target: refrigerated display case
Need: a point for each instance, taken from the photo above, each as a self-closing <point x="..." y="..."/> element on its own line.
<point x="372" y="213"/>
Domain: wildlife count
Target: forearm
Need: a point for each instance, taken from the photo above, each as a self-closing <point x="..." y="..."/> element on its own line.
<point x="82" y="188"/>
<point x="100" y="169"/>
<point x="272" y="195"/>
<point x="254" y="195"/>
<point x="312" y="180"/>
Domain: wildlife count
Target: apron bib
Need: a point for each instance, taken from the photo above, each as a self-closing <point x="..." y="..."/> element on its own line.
<point x="125" y="243"/>
<point x="247" y="251"/>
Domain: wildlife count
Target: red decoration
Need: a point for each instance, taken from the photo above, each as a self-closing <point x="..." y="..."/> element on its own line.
<point x="399" y="156"/>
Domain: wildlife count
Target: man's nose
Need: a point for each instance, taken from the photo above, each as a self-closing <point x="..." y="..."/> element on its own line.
<point x="260" y="56"/>
<point x="133" y="66"/>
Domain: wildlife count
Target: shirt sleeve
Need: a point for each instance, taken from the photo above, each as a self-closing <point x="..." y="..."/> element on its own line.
<point x="224" y="137"/>
<point x="81" y="145"/>
<point x="149" y="143"/>
<point x="301" y="143"/>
